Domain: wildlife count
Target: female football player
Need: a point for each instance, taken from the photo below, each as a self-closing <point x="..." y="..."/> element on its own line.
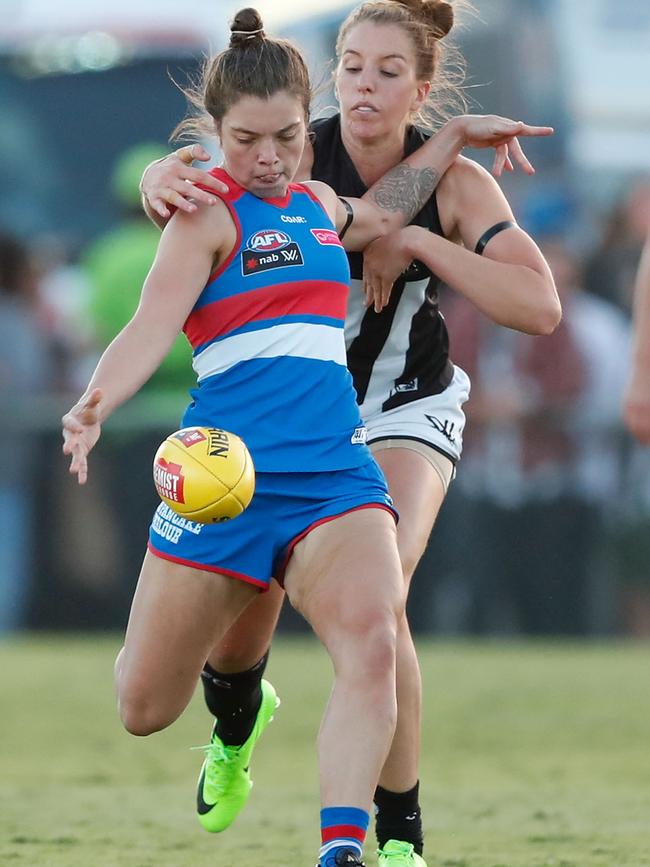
<point x="269" y="354"/>
<point x="390" y="71"/>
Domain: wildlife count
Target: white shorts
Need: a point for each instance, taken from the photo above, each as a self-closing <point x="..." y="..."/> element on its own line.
<point x="437" y="421"/>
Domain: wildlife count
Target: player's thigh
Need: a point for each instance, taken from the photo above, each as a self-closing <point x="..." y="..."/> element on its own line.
<point x="345" y="575"/>
<point x="250" y="636"/>
<point x="418" y="492"/>
<point x="175" y="613"/>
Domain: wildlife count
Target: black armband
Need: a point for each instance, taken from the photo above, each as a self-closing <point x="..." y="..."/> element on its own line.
<point x="348" y="219"/>
<point x="487" y="236"/>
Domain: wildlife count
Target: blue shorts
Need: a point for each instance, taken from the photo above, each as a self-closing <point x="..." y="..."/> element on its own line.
<point x="257" y="545"/>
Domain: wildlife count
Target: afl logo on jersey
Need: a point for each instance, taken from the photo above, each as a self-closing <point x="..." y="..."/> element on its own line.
<point x="268" y="240"/>
<point x="270" y="248"/>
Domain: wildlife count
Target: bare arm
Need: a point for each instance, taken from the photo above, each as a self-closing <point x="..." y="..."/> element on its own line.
<point x="186" y="255"/>
<point x="510" y="282"/>
<point x="408" y="186"/>
<point x="637" y="398"/>
<point x="401" y="192"/>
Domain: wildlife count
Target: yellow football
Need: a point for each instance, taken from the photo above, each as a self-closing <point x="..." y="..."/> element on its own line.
<point x="204" y="474"/>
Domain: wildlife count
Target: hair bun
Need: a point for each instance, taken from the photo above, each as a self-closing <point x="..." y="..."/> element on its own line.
<point x="246" y="27"/>
<point x="436" y="14"/>
<point x="439" y="15"/>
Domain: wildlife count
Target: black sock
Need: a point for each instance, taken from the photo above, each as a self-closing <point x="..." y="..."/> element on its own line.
<point x="398" y="817"/>
<point x="234" y="699"/>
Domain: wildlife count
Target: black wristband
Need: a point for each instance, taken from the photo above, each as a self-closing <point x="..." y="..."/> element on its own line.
<point x="482" y="242"/>
<point x="349" y="218"/>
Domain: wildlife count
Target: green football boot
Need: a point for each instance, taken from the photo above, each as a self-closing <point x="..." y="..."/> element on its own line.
<point x="224" y="782"/>
<point x="398" y="854"/>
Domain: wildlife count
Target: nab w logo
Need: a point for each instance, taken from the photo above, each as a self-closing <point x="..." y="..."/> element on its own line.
<point x="446" y="428"/>
<point x="268" y="249"/>
<point x="290" y="255"/>
<point x="268" y="240"/>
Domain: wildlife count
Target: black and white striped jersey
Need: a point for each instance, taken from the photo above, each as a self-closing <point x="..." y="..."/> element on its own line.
<point x="401" y="354"/>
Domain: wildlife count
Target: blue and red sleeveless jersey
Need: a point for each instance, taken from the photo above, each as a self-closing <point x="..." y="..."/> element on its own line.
<point x="268" y="341"/>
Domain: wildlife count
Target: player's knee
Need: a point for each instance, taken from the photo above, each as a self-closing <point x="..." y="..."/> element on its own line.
<point x="140" y="716"/>
<point x="379" y="658"/>
<point x="374" y="636"/>
<point x="374" y="677"/>
<point x="140" y="722"/>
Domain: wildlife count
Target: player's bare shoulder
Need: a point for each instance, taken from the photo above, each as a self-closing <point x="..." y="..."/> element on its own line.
<point x="209" y="225"/>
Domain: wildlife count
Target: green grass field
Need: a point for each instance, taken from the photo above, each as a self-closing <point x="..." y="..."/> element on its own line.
<point x="534" y="755"/>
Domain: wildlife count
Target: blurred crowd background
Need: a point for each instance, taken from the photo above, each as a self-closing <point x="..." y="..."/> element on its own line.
<point x="547" y="526"/>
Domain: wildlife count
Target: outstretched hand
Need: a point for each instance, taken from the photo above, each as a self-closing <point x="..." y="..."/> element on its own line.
<point x="81" y="430"/>
<point x="500" y="133"/>
<point x="172" y="181"/>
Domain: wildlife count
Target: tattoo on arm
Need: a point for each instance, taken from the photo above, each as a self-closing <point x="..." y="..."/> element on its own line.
<point x="405" y="189"/>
